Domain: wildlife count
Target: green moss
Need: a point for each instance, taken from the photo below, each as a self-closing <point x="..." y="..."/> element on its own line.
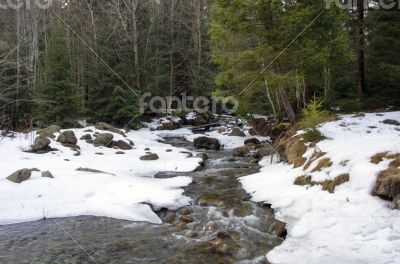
<point x="313" y="136"/>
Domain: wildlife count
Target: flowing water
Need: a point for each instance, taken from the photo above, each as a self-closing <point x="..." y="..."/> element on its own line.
<point x="220" y="226"/>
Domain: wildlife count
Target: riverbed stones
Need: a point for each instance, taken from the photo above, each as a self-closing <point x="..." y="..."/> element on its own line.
<point x="252" y="141"/>
<point x="49" y="131"/>
<point x="41" y="145"/>
<point x="207" y="143"/>
<point x="241" y="151"/>
<point x="169" y="125"/>
<point x="123" y="145"/>
<point x="391" y="122"/>
<point x="236" y="132"/>
<point x="86" y="137"/>
<point x="68" y="137"/>
<point x="150" y="157"/>
<point x="107" y="127"/>
<point x="103" y="139"/>
<point x="20" y="176"/>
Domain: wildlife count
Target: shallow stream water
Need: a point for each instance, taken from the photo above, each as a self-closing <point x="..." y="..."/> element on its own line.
<point x="221" y="225"/>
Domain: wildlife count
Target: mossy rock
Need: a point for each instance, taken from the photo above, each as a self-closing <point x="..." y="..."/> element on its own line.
<point x="323" y="164"/>
<point x="388" y="184"/>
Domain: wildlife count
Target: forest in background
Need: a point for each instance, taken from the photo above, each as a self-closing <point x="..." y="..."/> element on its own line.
<point x="93" y="59"/>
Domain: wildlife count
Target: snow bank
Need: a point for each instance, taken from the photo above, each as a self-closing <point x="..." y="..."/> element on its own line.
<point x="119" y="194"/>
<point x="349" y="226"/>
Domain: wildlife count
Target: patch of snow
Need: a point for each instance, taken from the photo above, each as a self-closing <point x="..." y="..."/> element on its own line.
<point x="74" y="193"/>
<point x="191" y="116"/>
<point x="348" y="226"/>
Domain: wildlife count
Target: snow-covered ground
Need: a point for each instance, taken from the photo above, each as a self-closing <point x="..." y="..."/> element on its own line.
<point x="350" y="225"/>
<point x="119" y="194"/>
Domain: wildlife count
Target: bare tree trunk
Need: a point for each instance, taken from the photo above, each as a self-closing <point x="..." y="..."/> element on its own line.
<point x="361" y="47"/>
<point x="171" y="53"/>
<point x="270" y="98"/>
<point x="135" y="42"/>
<point x="288" y="106"/>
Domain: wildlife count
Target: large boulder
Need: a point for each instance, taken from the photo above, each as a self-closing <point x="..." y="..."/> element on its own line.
<point x="20" y="176"/>
<point x="391" y="122"/>
<point x="41" y="144"/>
<point x="169" y="125"/>
<point x="151" y="156"/>
<point x="388" y="184"/>
<point x="68" y="137"/>
<point x="123" y="145"/>
<point x="49" y="131"/>
<point x="241" y="151"/>
<point x="207" y="143"/>
<point x="252" y="141"/>
<point x="236" y="132"/>
<point x="199" y="119"/>
<point x="103" y="139"/>
<point x="108" y="127"/>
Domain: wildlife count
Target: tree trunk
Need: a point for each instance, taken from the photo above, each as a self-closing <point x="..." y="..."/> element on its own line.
<point x="270" y="98"/>
<point x="361" y="47"/>
<point x="288" y="106"/>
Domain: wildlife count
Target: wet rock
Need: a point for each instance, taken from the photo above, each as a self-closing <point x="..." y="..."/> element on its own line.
<point x="185" y="211"/>
<point x="151" y="156"/>
<point x="252" y="141"/>
<point x="180" y="225"/>
<point x="198" y="119"/>
<point x="236" y="132"/>
<point x="169" y="125"/>
<point x="168" y="150"/>
<point x="280" y="229"/>
<point x="103" y="139"/>
<point x="77" y="154"/>
<point x="108" y="127"/>
<point x="209" y="201"/>
<point x="41" y="144"/>
<point x="20" y="176"/>
<point x="47" y="174"/>
<point x="88" y="131"/>
<point x="68" y="137"/>
<point x="221" y="130"/>
<point x="123" y="145"/>
<point x="241" y="151"/>
<point x="120" y="153"/>
<point x="391" y="122"/>
<point x="86" y="137"/>
<point x="192" y="234"/>
<point x="207" y="143"/>
<point x="263" y="152"/>
<point x="186" y="218"/>
<point x="388" y="184"/>
<point x="49" y="131"/>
